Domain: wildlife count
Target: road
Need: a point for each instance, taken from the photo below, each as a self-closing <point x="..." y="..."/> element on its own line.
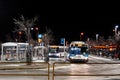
<point x="70" y="70"/>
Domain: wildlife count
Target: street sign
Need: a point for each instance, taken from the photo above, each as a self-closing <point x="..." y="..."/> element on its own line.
<point x="62" y="41"/>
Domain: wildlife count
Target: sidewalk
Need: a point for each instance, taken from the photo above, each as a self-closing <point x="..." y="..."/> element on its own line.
<point x="106" y="58"/>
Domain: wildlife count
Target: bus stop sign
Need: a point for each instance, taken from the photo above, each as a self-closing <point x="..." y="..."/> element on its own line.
<point x="62" y="40"/>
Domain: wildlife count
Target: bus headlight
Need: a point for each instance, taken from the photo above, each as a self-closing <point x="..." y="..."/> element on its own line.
<point x="84" y="53"/>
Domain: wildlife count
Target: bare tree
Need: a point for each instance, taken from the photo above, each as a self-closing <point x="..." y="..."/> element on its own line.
<point x="48" y="37"/>
<point x="24" y="24"/>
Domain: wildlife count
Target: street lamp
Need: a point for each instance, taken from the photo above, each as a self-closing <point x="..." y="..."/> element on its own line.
<point x="116" y="27"/>
<point x="36" y="32"/>
<point x="97" y="37"/>
<point x="81" y="34"/>
<point x="36" y="28"/>
<point x="28" y="54"/>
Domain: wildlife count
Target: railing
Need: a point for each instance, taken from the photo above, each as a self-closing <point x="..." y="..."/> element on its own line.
<point x="23" y="66"/>
<point x="67" y="74"/>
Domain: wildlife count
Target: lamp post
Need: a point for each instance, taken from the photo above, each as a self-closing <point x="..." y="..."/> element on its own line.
<point x="29" y="55"/>
<point x="36" y="32"/>
<point x="116" y="27"/>
<point x="81" y="34"/>
<point x="20" y="33"/>
<point x="97" y="37"/>
<point x="116" y="33"/>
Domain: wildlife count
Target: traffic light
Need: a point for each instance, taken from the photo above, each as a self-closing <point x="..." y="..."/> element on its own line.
<point x="39" y="40"/>
<point x="20" y="32"/>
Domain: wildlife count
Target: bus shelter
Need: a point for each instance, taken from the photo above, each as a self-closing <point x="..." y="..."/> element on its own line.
<point x="39" y="52"/>
<point x="13" y="51"/>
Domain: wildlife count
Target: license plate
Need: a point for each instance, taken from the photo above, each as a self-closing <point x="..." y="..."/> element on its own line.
<point x="78" y="56"/>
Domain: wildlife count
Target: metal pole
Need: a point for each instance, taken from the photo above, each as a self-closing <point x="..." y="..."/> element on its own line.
<point x="64" y="50"/>
<point x="28" y="52"/>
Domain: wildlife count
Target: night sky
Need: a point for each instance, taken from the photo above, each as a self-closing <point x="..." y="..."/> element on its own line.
<point x="65" y="19"/>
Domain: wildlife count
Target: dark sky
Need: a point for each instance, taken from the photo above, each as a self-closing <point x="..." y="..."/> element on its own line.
<point x="65" y="19"/>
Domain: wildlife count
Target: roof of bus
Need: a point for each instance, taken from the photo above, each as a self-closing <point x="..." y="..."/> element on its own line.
<point x="78" y="43"/>
<point x="56" y="46"/>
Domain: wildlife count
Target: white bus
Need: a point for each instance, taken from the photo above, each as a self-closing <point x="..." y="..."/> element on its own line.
<point x="78" y="52"/>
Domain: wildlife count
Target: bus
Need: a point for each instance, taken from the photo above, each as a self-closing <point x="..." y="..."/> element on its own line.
<point x="56" y="53"/>
<point x="78" y="52"/>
